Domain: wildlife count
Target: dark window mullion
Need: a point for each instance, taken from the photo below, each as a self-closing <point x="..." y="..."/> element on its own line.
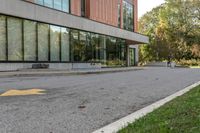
<point x="60" y="48"/>
<point x="37" y="56"/>
<point x="6" y="38"/>
<point x="23" y="58"/>
<point x="49" y="44"/>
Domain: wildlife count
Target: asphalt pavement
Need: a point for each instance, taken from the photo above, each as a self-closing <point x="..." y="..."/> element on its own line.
<point x="84" y="103"/>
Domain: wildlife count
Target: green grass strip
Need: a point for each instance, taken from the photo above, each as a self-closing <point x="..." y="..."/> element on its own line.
<point x="181" y="115"/>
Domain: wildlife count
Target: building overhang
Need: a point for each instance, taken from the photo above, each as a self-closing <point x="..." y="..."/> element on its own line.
<point x="22" y="9"/>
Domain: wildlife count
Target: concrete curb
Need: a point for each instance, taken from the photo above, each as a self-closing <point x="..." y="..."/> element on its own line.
<point x="116" y="126"/>
<point x="62" y="73"/>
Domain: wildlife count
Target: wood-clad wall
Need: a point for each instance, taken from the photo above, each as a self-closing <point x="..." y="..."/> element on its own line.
<point x="76" y="7"/>
<point x="105" y="11"/>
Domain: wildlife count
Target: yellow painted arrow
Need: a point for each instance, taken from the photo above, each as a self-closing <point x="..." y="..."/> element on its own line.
<point x="23" y="92"/>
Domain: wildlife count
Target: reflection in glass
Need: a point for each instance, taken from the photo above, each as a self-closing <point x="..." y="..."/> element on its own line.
<point x="48" y="3"/>
<point x="55" y="43"/>
<point x="128" y="20"/>
<point x="41" y="2"/>
<point x="95" y="46"/>
<point x="65" y="44"/>
<point x="43" y="42"/>
<point x="132" y="56"/>
<point x="2" y="38"/>
<point x="58" y="4"/>
<point x="65" y="5"/>
<point x="89" y="50"/>
<point x="111" y="51"/>
<point x="14" y="39"/>
<point x="74" y="42"/>
<point x="29" y="40"/>
<point x="102" y="44"/>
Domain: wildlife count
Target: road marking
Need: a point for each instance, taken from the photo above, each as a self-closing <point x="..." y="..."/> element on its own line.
<point x="116" y="126"/>
<point x="23" y="92"/>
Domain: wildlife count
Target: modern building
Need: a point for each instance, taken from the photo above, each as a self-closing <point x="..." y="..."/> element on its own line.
<point x="67" y="34"/>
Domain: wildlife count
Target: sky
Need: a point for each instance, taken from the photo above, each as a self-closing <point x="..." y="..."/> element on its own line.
<point x="147" y="5"/>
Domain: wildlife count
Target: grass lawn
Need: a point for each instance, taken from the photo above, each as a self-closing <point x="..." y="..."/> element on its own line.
<point x="181" y="115"/>
<point x="194" y="66"/>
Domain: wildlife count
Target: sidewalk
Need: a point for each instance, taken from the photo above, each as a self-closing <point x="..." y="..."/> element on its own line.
<point x="54" y="72"/>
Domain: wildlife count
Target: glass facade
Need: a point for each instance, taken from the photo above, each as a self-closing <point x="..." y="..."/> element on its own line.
<point x="14" y="29"/>
<point x="30" y="41"/>
<point x="2" y="38"/>
<point x="65" y="55"/>
<point x="55" y="43"/>
<point x="43" y="42"/>
<point x="128" y="17"/>
<point x="62" y="5"/>
<point x="49" y="3"/>
<point x="132" y="56"/>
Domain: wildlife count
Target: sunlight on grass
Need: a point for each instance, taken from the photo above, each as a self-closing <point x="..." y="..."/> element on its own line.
<point x="181" y="115"/>
<point x="194" y="66"/>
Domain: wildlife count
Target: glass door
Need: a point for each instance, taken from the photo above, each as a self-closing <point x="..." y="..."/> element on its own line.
<point x="132" y="56"/>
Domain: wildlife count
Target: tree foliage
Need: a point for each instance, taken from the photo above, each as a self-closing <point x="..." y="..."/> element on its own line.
<point x="174" y="30"/>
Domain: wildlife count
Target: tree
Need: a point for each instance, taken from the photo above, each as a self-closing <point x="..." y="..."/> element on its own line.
<point x="173" y="28"/>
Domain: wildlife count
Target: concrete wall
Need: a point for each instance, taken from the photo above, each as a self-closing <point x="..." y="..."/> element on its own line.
<point x="31" y="11"/>
<point x="56" y="66"/>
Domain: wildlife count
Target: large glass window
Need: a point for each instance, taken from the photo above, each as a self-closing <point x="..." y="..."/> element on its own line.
<point x="14" y="39"/>
<point x="132" y="56"/>
<point x="43" y="42"/>
<point x="128" y="19"/>
<point x="41" y="2"/>
<point x="29" y="40"/>
<point x="55" y="43"/>
<point x="80" y="47"/>
<point x="102" y="45"/>
<point x="58" y="4"/>
<point x="122" y="51"/>
<point x="33" y="41"/>
<point x="65" y="5"/>
<point x="79" y="44"/>
<point x="89" y="48"/>
<point x="48" y="3"/>
<point x="2" y="38"/>
<point x="111" y="51"/>
<point x="65" y="44"/>
<point x="95" y="46"/>
<point x="74" y="41"/>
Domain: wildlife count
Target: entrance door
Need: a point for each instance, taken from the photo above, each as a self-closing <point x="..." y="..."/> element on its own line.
<point x="132" y="56"/>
